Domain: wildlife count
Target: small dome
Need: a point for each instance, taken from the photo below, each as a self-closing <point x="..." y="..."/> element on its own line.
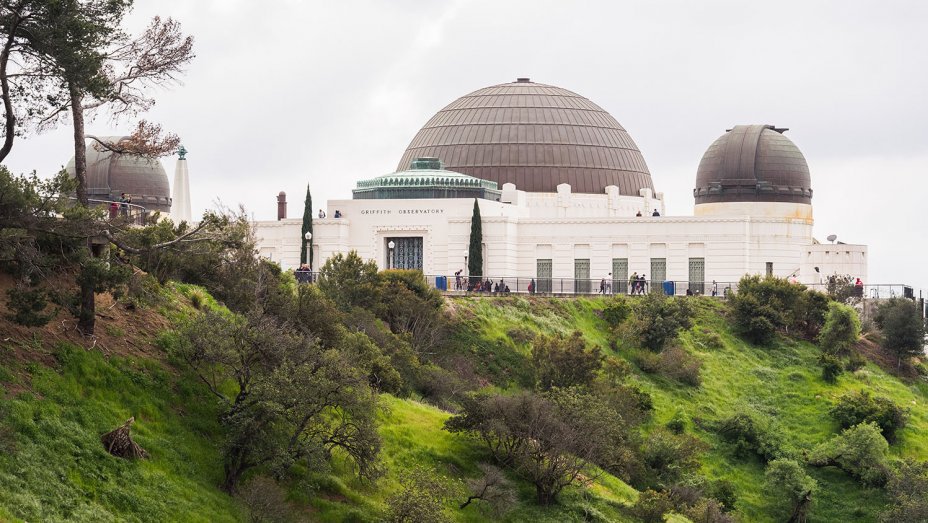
<point x="110" y="174"/>
<point x="534" y="135"/>
<point x="753" y="163"/>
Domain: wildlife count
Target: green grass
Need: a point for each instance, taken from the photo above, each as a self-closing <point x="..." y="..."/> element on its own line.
<point x="782" y="382"/>
<point x="55" y="468"/>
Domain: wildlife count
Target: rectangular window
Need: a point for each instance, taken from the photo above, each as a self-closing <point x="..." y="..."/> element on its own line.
<point x="620" y="275"/>
<point x="658" y="271"/>
<point x="697" y="279"/>
<point x="582" y="283"/>
<point x="543" y="275"/>
<point x="769" y="269"/>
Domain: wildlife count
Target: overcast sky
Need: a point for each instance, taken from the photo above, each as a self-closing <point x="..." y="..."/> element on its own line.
<point x="289" y="92"/>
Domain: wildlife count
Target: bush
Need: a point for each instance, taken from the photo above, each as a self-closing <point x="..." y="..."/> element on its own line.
<point x="841" y="330"/>
<point x="652" y="506"/>
<point x="902" y="326"/>
<point x="855" y="362"/>
<point x="659" y="319"/>
<point x="616" y="311"/>
<point x="27" y="306"/>
<point x="906" y="489"/>
<point x="708" y="510"/>
<point x="421" y="498"/>
<point x="831" y="367"/>
<point x="789" y="482"/>
<point x="860" y="451"/>
<point x="265" y="500"/>
<point x="860" y="407"/>
<point x="752" y="434"/>
<point x="668" y="457"/>
<point x="677" y="364"/>
<point x="565" y="362"/>
<point x="763" y="306"/>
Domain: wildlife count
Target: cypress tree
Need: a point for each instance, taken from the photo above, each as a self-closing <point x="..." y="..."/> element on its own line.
<point x="307" y="227"/>
<point x="475" y="250"/>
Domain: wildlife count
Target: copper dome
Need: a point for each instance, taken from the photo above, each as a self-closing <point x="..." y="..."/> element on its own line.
<point x="110" y="174"/>
<point x="753" y="163"/>
<point x="533" y="135"/>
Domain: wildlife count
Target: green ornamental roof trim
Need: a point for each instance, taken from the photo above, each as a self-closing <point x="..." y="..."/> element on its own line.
<point x="423" y="178"/>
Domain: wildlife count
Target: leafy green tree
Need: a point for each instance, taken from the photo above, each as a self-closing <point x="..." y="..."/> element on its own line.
<point x="860" y="407"/>
<point x="902" y="326"/>
<point x="475" y="248"/>
<point x="860" y="451"/>
<point x="285" y="399"/>
<point x="350" y="282"/>
<point x="565" y="362"/>
<point x="764" y="306"/>
<point x="306" y="247"/>
<point x="906" y="488"/>
<point x="789" y="481"/>
<point x="753" y="434"/>
<point x="421" y="499"/>
<point x="841" y="330"/>
<point x="550" y="440"/>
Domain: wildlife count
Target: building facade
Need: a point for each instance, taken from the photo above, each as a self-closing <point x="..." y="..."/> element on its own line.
<point x="566" y="196"/>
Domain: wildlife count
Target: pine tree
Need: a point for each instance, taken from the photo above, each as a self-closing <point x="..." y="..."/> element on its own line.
<point x="306" y="250"/>
<point x="475" y="250"/>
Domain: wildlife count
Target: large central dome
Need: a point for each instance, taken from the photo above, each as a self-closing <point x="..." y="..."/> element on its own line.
<point x="535" y="136"/>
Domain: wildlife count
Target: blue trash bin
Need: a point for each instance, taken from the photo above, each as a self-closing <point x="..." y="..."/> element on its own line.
<point x="441" y="283"/>
<point x="669" y="288"/>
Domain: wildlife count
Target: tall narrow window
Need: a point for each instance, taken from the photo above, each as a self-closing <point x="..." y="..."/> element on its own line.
<point x="658" y="271"/>
<point x="620" y="275"/>
<point x="582" y="276"/>
<point x="697" y="279"/>
<point x="543" y="275"/>
<point x="769" y="269"/>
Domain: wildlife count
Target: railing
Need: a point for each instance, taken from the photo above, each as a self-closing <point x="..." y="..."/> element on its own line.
<point x="131" y="213"/>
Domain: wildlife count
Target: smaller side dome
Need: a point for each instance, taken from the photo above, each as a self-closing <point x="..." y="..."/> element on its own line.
<point x="110" y="174"/>
<point x="753" y="163"/>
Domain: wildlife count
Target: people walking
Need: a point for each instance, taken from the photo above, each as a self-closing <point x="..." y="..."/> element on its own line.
<point x="531" y="286"/>
<point x="633" y="283"/>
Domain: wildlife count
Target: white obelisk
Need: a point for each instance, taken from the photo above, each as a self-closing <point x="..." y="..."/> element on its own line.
<point x="180" y="204"/>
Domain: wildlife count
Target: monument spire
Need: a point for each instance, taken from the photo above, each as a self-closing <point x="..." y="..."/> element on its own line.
<point x="180" y="204"/>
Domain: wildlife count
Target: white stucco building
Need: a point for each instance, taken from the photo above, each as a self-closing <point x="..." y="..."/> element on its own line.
<point x="566" y="198"/>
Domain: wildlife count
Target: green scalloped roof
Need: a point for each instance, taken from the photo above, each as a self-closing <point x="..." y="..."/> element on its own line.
<point x="422" y="178"/>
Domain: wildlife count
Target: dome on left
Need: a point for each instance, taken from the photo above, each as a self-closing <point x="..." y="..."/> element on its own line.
<point x="110" y="174"/>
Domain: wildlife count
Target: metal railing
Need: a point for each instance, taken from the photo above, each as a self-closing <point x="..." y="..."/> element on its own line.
<point x="130" y="213"/>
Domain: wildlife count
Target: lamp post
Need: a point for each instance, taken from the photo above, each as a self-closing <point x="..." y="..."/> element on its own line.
<point x="390" y="246"/>
<point x="465" y="262"/>
<point x="308" y="237"/>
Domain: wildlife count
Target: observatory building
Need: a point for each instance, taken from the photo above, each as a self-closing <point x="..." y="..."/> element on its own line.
<point x="564" y="193"/>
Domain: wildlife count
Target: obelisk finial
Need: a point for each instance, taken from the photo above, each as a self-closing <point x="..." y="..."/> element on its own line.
<point x="182" y="153"/>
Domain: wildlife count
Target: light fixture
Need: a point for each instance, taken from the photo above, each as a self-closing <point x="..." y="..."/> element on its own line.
<point x="308" y="236"/>
<point x="391" y="245"/>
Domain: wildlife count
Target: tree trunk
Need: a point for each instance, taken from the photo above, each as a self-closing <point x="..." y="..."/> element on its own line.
<point x="80" y="148"/>
<point x="86" y="320"/>
<point x="10" y="124"/>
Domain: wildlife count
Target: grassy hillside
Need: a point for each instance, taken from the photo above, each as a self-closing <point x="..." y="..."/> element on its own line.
<point x="782" y="382"/>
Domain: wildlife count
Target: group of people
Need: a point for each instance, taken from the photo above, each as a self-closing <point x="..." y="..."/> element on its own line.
<point x="321" y="214"/>
<point x="303" y="273"/>
<point x="637" y="284"/>
<point x="655" y="213"/>
<point x="120" y="207"/>
<point x="488" y="286"/>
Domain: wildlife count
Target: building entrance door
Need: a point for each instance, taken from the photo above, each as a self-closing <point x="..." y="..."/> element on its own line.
<point x="405" y="254"/>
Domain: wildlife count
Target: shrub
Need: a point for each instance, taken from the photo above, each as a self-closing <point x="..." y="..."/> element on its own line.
<point x="831" y="367"/>
<point x="752" y="434"/>
<point x="855" y="362"/>
<point x="520" y="335"/>
<point x="658" y="320"/>
<point x="349" y="281"/>
<point x="565" y="362"/>
<point x="668" y="457"/>
<point x="859" y="407"/>
<point x="652" y="506"/>
<point x="906" y="489"/>
<point x="762" y="306"/>
<point x="708" y="510"/>
<point x="421" y="498"/>
<point x="841" y="330"/>
<point x="708" y="339"/>
<point x="265" y="500"/>
<point x="860" y="451"/>
<point x="197" y="299"/>
<point x="27" y="306"/>
<point x="677" y="364"/>
<point x="678" y="423"/>
<point x="902" y="326"/>
<point x="616" y="311"/>
<point x="789" y="482"/>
